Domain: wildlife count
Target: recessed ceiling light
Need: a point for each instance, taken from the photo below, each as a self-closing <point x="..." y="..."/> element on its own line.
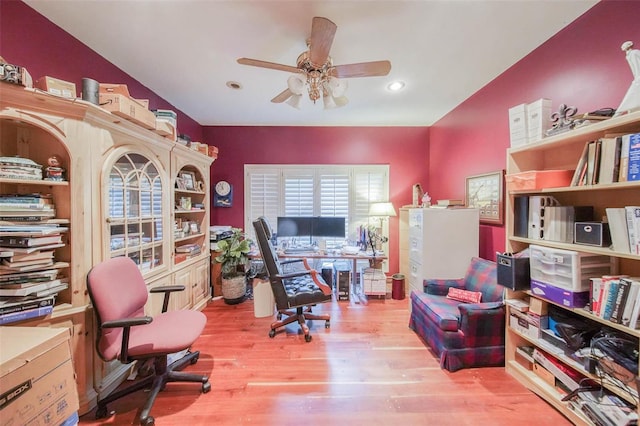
<point x="234" y="85"/>
<point x="395" y="86"/>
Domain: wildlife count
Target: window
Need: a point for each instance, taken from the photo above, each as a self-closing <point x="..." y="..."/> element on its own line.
<point x="315" y="190"/>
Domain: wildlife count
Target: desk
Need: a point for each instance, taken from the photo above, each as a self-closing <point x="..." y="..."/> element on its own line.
<point x="354" y="265"/>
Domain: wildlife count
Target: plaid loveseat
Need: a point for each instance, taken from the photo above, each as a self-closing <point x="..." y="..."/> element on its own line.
<point x="462" y="334"/>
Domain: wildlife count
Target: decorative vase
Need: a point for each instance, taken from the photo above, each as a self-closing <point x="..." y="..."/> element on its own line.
<point x="234" y="289"/>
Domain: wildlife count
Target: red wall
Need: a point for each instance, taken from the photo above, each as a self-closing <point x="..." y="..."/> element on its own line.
<point x="405" y="149"/>
<point x="30" y="40"/>
<point x="580" y="66"/>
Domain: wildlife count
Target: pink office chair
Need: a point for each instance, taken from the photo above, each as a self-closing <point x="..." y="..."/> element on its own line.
<point x="118" y="293"/>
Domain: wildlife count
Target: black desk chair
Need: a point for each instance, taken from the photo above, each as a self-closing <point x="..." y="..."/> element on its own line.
<point x="299" y="289"/>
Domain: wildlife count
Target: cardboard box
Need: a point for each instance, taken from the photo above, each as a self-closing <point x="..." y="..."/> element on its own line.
<point x="518" y="125"/>
<point x="373" y="281"/>
<point x="546" y="375"/>
<point x="538" y="307"/>
<point x="58" y="87"/>
<point x="527" y="325"/>
<point x="538" y="179"/>
<point x="128" y="109"/>
<point x="37" y="384"/>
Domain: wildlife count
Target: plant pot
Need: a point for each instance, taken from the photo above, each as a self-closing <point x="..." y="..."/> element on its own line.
<point x="234" y="289"/>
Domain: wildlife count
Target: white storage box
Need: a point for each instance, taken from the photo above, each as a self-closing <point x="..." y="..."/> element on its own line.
<point x="567" y="269"/>
<point x="538" y="119"/>
<point x="374" y="281"/>
<point x="518" y="125"/>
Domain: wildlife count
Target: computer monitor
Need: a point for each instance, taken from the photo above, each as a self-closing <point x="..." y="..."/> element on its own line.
<point x="331" y="227"/>
<point x="295" y="226"/>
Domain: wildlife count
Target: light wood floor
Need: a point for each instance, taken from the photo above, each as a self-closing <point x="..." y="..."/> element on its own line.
<point x="369" y="368"/>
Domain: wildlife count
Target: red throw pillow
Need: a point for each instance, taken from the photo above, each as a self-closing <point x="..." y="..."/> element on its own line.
<point x="464" y="295"/>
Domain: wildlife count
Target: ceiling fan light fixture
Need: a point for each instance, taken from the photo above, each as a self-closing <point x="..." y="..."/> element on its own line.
<point x="395" y="86"/>
<point x="337" y="87"/>
<point x="296" y="83"/>
<point x="294" y="101"/>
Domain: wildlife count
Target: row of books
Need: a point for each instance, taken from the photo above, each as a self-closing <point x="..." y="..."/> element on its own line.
<point x="610" y="159"/>
<point x="616" y="298"/>
<point x="20" y="168"/>
<point x="624" y="225"/>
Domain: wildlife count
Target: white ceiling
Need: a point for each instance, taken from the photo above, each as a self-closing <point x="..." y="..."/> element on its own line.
<point x="186" y="51"/>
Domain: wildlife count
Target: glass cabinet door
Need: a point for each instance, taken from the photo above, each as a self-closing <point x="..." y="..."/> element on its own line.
<point x="135" y="211"/>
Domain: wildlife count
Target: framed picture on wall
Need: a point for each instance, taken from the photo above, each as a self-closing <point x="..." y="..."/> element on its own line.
<point x="486" y="193"/>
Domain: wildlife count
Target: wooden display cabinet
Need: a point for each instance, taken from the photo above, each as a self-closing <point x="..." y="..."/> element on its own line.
<point x="117" y="199"/>
<point x="562" y="152"/>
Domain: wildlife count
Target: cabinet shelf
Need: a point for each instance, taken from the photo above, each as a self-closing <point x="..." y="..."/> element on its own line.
<point x="605" y="251"/>
<point x="190" y="211"/>
<point x="189" y="191"/>
<point x="557" y="354"/>
<point x="35" y="182"/>
<point x="546" y="391"/>
<point x="626" y="123"/>
<point x="189" y="237"/>
<point x="599" y="187"/>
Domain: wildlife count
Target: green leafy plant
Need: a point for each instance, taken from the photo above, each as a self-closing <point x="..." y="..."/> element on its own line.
<point x="234" y="254"/>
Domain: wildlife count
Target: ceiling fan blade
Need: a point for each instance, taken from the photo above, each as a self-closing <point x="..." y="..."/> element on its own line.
<point x="362" y="69"/>
<point x="282" y="96"/>
<point x="265" y="64"/>
<point x="322" y="33"/>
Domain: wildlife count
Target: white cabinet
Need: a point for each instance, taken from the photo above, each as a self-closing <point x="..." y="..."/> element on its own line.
<point x="441" y="243"/>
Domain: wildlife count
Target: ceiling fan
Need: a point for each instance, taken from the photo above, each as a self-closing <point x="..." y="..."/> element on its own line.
<point x="314" y="68"/>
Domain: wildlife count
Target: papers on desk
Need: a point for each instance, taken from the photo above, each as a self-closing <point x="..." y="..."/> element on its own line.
<point x="352" y="250"/>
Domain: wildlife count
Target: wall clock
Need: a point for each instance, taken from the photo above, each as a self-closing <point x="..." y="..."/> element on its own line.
<point x="223" y="194"/>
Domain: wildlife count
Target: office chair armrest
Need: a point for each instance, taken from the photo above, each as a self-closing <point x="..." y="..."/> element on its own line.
<point x="167" y="290"/>
<point x="126" y="324"/>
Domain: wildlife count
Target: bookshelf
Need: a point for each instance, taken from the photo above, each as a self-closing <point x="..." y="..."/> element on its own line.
<point x="563" y="152"/>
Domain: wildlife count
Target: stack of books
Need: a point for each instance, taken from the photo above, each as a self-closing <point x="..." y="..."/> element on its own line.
<point x="20" y="168"/>
<point x="29" y="273"/>
<point x="26" y="208"/>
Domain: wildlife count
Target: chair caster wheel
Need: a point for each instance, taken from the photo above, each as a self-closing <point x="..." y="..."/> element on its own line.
<point x="101" y="412"/>
<point x="272" y="333"/>
<point x="327" y="324"/>
<point x="194" y="360"/>
<point x="149" y="421"/>
<point x="307" y="338"/>
<point x="206" y="387"/>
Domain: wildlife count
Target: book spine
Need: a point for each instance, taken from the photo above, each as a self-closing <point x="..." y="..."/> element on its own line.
<point x="14" y="242"/>
<point x="630" y="303"/>
<point x="633" y="228"/>
<point x="621" y="299"/>
<point x="633" y="166"/>
<point x="24" y="315"/>
<point x="611" y="299"/>
<point x="27" y="306"/>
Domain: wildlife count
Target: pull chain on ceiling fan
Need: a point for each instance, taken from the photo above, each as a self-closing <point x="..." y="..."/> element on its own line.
<point x="315" y="70"/>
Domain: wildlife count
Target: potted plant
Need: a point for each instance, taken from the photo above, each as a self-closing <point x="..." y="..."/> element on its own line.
<point x="234" y="260"/>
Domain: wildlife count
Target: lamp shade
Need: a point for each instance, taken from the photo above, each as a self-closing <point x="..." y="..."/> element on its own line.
<point x="382" y="209"/>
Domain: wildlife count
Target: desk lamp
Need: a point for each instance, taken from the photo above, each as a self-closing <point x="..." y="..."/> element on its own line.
<point x="381" y="211"/>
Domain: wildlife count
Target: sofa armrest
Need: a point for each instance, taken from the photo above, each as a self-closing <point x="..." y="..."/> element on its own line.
<point x="482" y="324"/>
<point x="440" y="287"/>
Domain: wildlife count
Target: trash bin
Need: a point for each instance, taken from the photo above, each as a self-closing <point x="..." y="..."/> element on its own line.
<point x="397" y="286"/>
<point x="263" y="301"/>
